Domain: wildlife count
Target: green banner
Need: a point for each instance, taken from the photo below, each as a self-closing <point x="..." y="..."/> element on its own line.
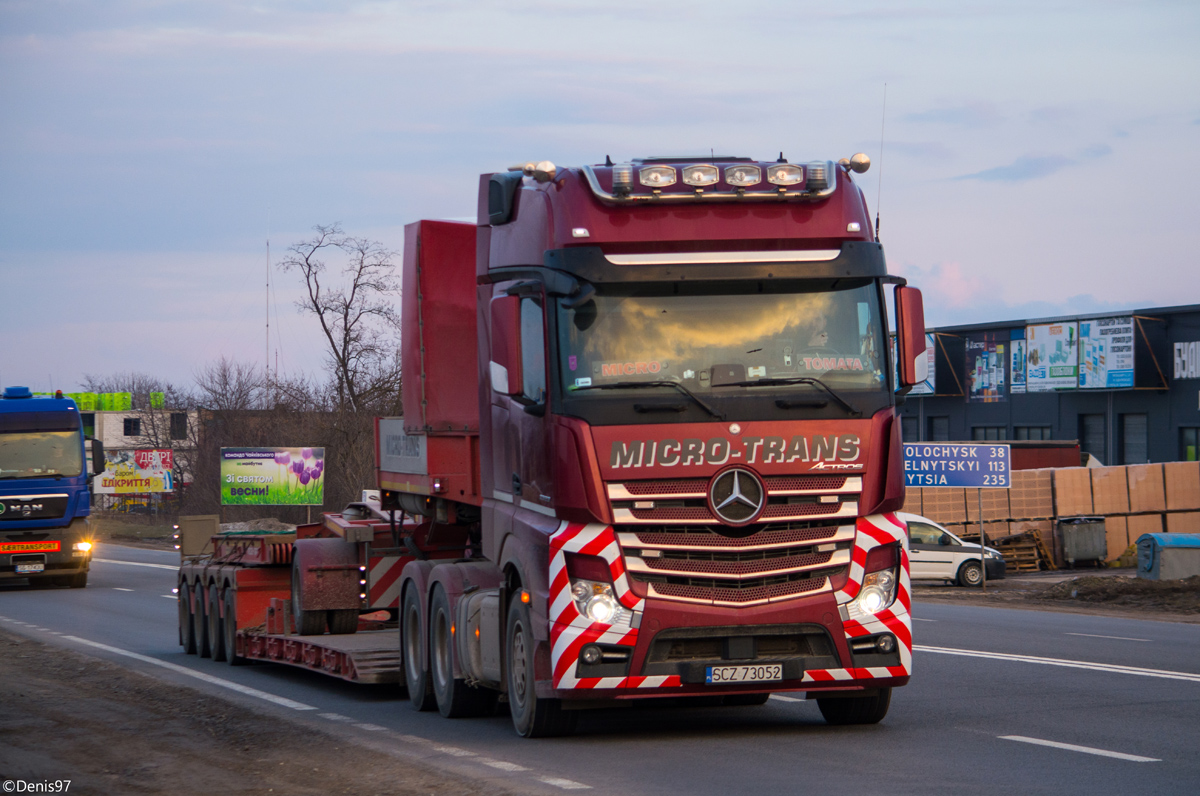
<point x="158" y="400"/>
<point x="272" y="476"/>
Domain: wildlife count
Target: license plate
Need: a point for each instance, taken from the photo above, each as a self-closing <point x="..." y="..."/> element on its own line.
<point x="25" y="569"/>
<point x="766" y="673"/>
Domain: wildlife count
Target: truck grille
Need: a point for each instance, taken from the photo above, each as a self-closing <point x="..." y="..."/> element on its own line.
<point x="685" y="500"/>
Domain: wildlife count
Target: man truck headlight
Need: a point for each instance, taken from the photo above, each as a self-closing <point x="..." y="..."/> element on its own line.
<point x="879" y="584"/>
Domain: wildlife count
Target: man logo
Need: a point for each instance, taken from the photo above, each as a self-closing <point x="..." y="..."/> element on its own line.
<point x="3" y="507"/>
<point x="737" y="496"/>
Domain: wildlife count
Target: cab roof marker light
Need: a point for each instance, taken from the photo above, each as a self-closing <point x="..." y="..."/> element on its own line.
<point x="701" y="176"/>
<point x="818" y="176"/>
<point x="785" y="174"/>
<point x="622" y="176"/>
<point x="656" y="176"/>
<point x="580" y="232"/>
<point x="743" y="175"/>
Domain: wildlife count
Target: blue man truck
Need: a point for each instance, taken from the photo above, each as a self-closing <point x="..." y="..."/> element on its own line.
<point x="45" y="490"/>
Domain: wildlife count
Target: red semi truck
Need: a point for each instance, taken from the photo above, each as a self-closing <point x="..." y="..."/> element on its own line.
<point x="649" y="450"/>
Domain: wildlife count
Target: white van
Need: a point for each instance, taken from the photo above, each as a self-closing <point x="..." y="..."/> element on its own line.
<point x="936" y="554"/>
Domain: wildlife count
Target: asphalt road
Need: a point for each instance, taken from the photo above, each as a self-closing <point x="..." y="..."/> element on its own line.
<point x="1002" y="701"/>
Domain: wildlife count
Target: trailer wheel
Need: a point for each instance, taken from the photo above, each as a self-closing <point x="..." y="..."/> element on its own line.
<point x="200" y="621"/>
<point x="970" y="574"/>
<point x="216" y="631"/>
<point x="230" y="628"/>
<point x="187" y="631"/>
<point x="307" y="623"/>
<point x="856" y="710"/>
<point x="455" y="699"/>
<point x="342" y="622"/>
<point x="532" y="717"/>
<point x="416" y="676"/>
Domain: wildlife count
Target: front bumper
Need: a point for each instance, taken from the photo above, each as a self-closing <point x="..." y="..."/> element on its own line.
<point x="996" y="567"/>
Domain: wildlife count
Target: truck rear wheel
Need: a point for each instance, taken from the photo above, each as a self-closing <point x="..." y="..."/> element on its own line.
<point x="532" y="717"/>
<point x="416" y="676"/>
<point x="200" y="621"/>
<point x="187" y="631"/>
<point x="455" y="699"/>
<point x="856" y="710"/>
<point x="216" y="632"/>
<point x="229" y="626"/>
<point x="342" y="622"/>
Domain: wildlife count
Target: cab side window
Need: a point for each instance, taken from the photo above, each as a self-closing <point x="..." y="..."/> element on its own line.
<point x="533" y="351"/>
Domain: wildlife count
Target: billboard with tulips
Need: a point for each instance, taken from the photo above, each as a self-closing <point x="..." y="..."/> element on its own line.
<point x="272" y="476"/>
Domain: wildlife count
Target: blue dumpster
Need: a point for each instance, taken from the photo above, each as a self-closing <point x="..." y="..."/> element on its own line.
<point x="1168" y="556"/>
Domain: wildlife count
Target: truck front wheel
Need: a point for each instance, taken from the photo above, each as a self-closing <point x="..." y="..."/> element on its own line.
<point x="856" y="710"/>
<point x="455" y="699"/>
<point x="416" y="676"/>
<point x="532" y="717"/>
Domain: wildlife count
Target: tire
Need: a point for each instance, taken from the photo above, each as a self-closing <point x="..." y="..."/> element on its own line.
<point x="216" y="629"/>
<point x="746" y="700"/>
<point x="306" y="623"/>
<point x="342" y="622"/>
<point x="200" y="621"/>
<point x="455" y="699"/>
<point x="229" y="628"/>
<point x="187" y="631"/>
<point x="856" y="710"/>
<point x="416" y="676"/>
<point x="532" y="717"/>
<point x="970" y="574"/>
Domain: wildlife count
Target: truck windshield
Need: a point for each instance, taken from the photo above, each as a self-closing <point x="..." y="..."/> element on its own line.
<point x="722" y="343"/>
<point x="40" y="454"/>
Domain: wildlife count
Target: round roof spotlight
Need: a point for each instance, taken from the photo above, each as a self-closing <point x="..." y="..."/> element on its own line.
<point x="701" y="176"/>
<point x="544" y="171"/>
<point x="784" y="174"/>
<point x="743" y="176"/>
<point x="860" y="163"/>
<point x="525" y="168"/>
<point x="657" y="176"/>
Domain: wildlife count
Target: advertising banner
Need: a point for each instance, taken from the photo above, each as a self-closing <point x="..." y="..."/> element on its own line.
<point x="986" y="363"/>
<point x="1016" y="374"/>
<point x="1106" y="353"/>
<point x="1187" y="360"/>
<point x="1052" y="361"/>
<point x="136" y="472"/>
<point x="929" y="386"/>
<point x="272" y="476"/>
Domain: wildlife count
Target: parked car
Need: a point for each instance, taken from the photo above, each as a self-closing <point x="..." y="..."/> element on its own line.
<point x="936" y="554"/>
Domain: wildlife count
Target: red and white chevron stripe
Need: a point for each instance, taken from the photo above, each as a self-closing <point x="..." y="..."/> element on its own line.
<point x="384" y="580"/>
<point x="570" y="630"/>
<point x="872" y="531"/>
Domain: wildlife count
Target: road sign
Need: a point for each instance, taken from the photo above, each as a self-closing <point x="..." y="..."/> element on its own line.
<point x="958" y="464"/>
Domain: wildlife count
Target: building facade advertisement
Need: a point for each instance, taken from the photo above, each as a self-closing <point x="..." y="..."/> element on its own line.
<point x="986" y="363"/>
<point x="136" y="472"/>
<point x="1016" y="376"/>
<point x="1106" y="353"/>
<point x="1187" y="360"/>
<point x="272" y="476"/>
<point x="929" y="386"/>
<point x="1052" y="358"/>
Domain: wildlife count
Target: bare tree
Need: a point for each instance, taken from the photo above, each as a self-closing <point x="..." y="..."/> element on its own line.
<point x="356" y="311"/>
<point x="227" y="384"/>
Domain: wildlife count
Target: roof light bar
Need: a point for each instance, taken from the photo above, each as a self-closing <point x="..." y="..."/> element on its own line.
<point x="701" y="175"/>
<point x="743" y="176"/>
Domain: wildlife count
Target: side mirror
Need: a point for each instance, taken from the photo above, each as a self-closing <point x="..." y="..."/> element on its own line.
<point x="912" y="366"/>
<point x="945" y="539"/>
<point x="97" y="457"/>
<point x="505" y="365"/>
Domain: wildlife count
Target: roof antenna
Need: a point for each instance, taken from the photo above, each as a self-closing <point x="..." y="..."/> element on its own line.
<point x="879" y="194"/>
<point x="607" y="160"/>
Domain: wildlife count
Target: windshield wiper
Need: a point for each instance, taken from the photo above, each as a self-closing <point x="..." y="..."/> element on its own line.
<point x="810" y="380"/>
<point x="633" y="385"/>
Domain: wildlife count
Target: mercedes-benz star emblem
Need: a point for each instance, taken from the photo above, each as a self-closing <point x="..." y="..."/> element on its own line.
<point x="737" y="496"/>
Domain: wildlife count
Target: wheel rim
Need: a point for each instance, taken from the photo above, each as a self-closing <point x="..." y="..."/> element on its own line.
<point x="440" y="651"/>
<point x="974" y="575"/>
<point x="412" y="647"/>
<point x="519" y="666"/>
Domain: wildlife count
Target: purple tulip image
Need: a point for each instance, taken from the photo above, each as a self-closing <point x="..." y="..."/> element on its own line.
<point x="304" y="479"/>
<point x="306" y="453"/>
<point x="283" y="457"/>
<point x="297" y="467"/>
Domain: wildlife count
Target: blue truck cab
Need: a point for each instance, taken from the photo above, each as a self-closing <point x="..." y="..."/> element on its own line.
<point x="45" y="489"/>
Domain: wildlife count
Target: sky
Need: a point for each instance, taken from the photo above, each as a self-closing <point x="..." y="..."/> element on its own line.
<point x="1030" y="159"/>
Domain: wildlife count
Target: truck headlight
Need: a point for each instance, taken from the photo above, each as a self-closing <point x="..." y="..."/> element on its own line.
<point x="596" y="601"/>
<point x="84" y="546"/>
<point x="878" y="592"/>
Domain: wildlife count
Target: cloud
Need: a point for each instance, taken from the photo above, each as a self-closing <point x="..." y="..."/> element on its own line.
<point x="1023" y="168"/>
<point x="977" y="114"/>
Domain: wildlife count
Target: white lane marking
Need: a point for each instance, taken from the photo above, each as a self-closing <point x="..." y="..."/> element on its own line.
<point x="335" y="717"/>
<point x="133" y="563"/>
<point x="1099" y="667"/>
<point x="118" y="588"/>
<point x="1070" y="747"/>
<point x="501" y="764"/>
<point x="1116" y="638"/>
<point x="918" y="619"/>
<point x="783" y="698"/>
<point x="565" y="784"/>
<point x="371" y="727"/>
<point x="208" y="678"/>
<point x="169" y="596"/>
<point x="453" y="750"/>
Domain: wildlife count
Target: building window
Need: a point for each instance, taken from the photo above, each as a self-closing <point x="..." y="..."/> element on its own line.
<point x="939" y="429"/>
<point x="1135" y="447"/>
<point x="1091" y="435"/>
<point x="89" y="423"/>
<point x="179" y="425"/>
<point x="989" y="433"/>
<point x="1189" y="444"/>
<point x="133" y="427"/>
<point x="910" y="429"/>
<point x="1032" y="432"/>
